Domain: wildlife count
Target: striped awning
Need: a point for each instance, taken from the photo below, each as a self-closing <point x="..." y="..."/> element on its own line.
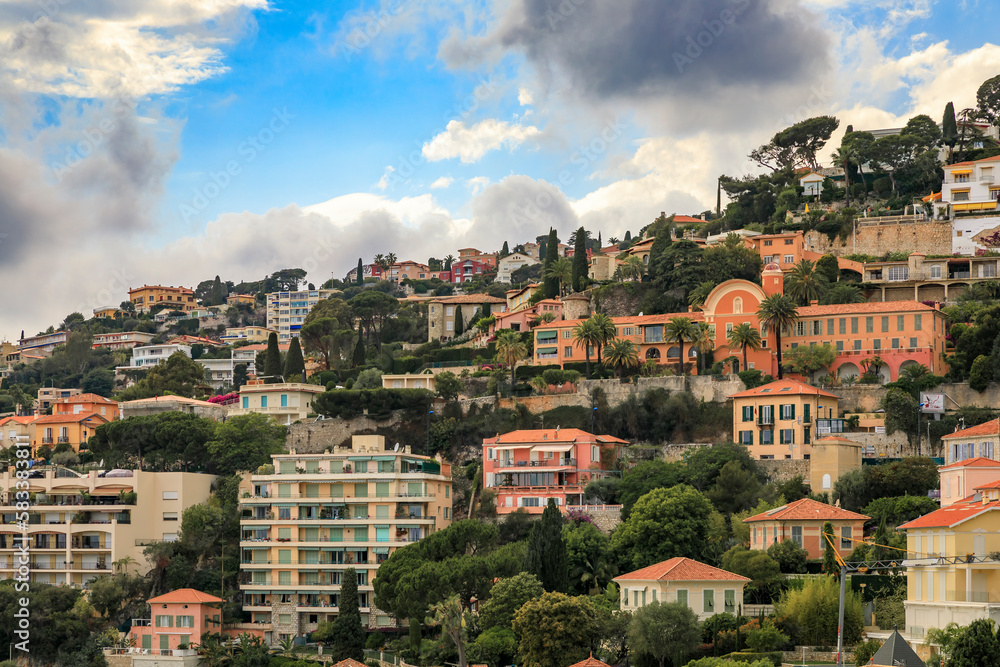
<point x="978" y="206"/>
<point x="961" y="172"/>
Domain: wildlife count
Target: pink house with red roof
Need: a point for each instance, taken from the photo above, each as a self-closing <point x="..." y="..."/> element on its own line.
<point x="178" y="618"/>
<point x="706" y="590"/>
<point x="802" y="522"/>
<point x="527" y="468"/>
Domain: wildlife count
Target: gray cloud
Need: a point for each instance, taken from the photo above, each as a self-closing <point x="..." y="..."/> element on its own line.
<point x="518" y="209"/>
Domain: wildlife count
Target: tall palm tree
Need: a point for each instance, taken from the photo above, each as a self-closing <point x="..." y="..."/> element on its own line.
<point x="632" y="268"/>
<point x="744" y="336"/>
<point x="448" y="260"/>
<point x="704" y="343"/>
<point x="699" y="294"/>
<point x="561" y="270"/>
<point x="586" y="334"/>
<point x="390" y="259"/>
<point x="805" y="283"/>
<point x="510" y="350"/>
<point x="778" y="312"/>
<point x="606" y="330"/>
<point x="622" y="355"/>
<point x="680" y="329"/>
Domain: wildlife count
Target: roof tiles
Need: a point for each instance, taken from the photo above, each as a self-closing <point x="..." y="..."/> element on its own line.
<point x="784" y="388"/>
<point x="680" y="569"/>
<point x="991" y="427"/>
<point x="808" y="510"/>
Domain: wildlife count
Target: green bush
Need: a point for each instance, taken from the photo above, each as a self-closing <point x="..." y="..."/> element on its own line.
<point x="346" y="403"/>
<point x="749" y="656"/>
<point x="403" y="365"/>
<point x="528" y="373"/>
<point x="981" y="374"/>
<point x="375" y="641"/>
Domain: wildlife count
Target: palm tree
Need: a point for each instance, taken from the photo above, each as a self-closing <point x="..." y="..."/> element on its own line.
<point x="510" y="350"/>
<point x="539" y="384"/>
<point x="606" y="330"/>
<point x="596" y="571"/>
<point x="380" y="261"/>
<point x="699" y="294"/>
<point x="586" y="334"/>
<point x="390" y="259"/>
<point x="680" y="329"/>
<point x="123" y="564"/>
<point x="843" y="293"/>
<point x="622" y="354"/>
<point x="545" y="318"/>
<point x="704" y="343"/>
<point x="777" y="312"/>
<point x="448" y="262"/>
<point x="805" y="283"/>
<point x="744" y="336"/>
<point x="561" y="270"/>
<point x="632" y="268"/>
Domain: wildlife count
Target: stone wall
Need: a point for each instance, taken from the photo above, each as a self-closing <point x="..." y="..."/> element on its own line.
<point x="606" y="517"/>
<point x="716" y="388"/>
<point x="316" y="437"/>
<point x="932" y="238"/>
<point x="782" y="470"/>
<point x="867" y="398"/>
<point x="814" y="656"/>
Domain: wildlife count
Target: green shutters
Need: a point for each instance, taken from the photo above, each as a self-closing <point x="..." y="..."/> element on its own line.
<point x="361" y="490"/>
<point x="361" y="534"/>
<point x="709" y="601"/>
<point x="748" y="413"/>
<point x="381" y="489"/>
<point x="682" y="596"/>
<point x="284" y="556"/>
<point x="286" y="467"/>
<point x="805" y="413"/>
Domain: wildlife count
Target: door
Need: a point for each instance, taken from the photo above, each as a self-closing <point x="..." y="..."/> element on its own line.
<point x="164" y="643"/>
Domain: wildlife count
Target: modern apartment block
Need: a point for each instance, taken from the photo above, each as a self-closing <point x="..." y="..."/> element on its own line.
<point x="42" y="344"/>
<point x="79" y="525"/>
<point x="315" y="515"/>
<point x="286" y="311"/>
<point x="285" y="401"/>
<point x="122" y="340"/>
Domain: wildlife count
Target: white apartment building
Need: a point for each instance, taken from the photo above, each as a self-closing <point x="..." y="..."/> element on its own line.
<point x="122" y="340"/>
<point x="286" y="311"/>
<point x="969" y="196"/>
<point x="144" y="356"/>
<point x="511" y="263"/>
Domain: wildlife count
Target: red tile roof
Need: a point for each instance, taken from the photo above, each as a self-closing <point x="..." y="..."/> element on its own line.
<point x="551" y="435"/>
<point x="589" y="662"/>
<point x="68" y="419"/>
<point x="808" y="510"/>
<point x="794" y="387"/>
<point x="978" y="462"/>
<point x="870" y="307"/>
<point x="85" y="398"/>
<point x="991" y="427"/>
<point x="991" y="485"/>
<point x="969" y="163"/>
<point x="349" y="662"/>
<point x="835" y="438"/>
<point x="680" y="569"/>
<point x="18" y="419"/>
<point x="184" y="595"/>
<point x="687" y="219"/>
<point x="470" y="298"/>
<point x="619" y="321"/>
<point x="952" y="515"/>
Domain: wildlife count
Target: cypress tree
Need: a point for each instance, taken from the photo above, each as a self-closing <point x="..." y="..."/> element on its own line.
<point x="547" y="550"/>
<point x="272" y="361"/>
<point x="361" y="273"/>
<point x="551" y="285"/>
<point x="628" y="235"/>
<point x="580" y="265"/>
<point x="415" y="636"/>
<point x="348" y="636"/>
<point x="294" y="363"/>
<point x="830" y="565"/>
<point x="505" y="250"/>
<point x="216" y="296"/>
<point x="459" y="323"/>
<point x="600" y="244"/>
<point x="359" y="351"/>
<point x="664" y="230"/>
<point x="949" y="126"/>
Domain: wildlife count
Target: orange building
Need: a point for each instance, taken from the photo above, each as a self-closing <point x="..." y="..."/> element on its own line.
<point x="74" y="430"/>
<point x="476" y="255"/>
<point x="175" y="298"/>
<point x="85" y="404"/>
<point x="802" y="523"/>
<point x="788" y="249"/>
<point x="777" y="420"/>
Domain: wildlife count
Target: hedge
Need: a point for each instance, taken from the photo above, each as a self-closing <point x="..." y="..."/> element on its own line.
<point x="526" y="373"/>
<point x="403" y="365"/>
<point x="749" y="656"/>
<point x="461" y="354"/>
<point x="348" y="403"/>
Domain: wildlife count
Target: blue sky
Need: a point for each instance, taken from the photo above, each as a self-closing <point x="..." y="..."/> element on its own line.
<point x="365" y="138"/>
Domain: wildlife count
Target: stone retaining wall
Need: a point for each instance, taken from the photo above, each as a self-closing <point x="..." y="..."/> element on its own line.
<point x="782" y="470"/>
<point x="317" y="437"/>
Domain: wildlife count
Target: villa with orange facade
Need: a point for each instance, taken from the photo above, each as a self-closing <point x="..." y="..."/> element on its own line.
<point x="901" y="333"/>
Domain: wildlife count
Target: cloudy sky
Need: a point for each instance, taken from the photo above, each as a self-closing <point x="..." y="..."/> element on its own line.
<point x="167" y="141"/>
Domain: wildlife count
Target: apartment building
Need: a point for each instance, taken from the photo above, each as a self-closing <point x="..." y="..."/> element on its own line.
<point x="923" y="278"/>
<point x="286" y="311"/>
<point x="951" y="575"/>
<point x="42" y="344"/>
<point x="49" y="395"/>
<point x="122" y="340"/>
<point x="442" y="311"/>
<point x="316" y="515"/>
<point x="108" y="312"/>
<point x="174" y="298"/>
<point x="511" y="263"/>
<point x="527" y="468"/>
<point x="972" y="186"/>
<point x="145" y="356"/>
<point x="249" y="334"/>
<point x="487" y="258"/>
<point x="706" y="590"/>
<point x="778" y="420"/>
<point x="788" y="249"/>
<point x="527" y="317"/>
<point x="520" y="299"/>
<point x="286" y="402"/>
<point x="802" y="522"/>
<point x="464" y="270"/>
<point x="80" y="525"/>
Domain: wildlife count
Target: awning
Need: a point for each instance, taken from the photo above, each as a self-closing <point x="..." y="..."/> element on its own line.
<point x="258" y="548"/>
<point x="546" y="335"/>
<point x="337" y="549"/>
<point x="285" y="505"/>
<point x="381" y="550"/>
<point x="547" y="350"/>
<point x="110" y="490"/>
<point x="386" y="526"/>
<point x="961" y="172"/>
<point x="359" y="458"/>
<point x="980" y="206"/>
<point x="383" y="458"/>
<point x="525" y="445"/>
<point x="554" y="448"/>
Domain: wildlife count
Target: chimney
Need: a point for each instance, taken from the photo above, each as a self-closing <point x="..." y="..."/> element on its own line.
<point x="814" y="302"/>
<point x="557" y="430"/>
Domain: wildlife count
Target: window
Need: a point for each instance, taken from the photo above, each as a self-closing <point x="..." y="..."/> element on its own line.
<point x="960" y="195"/>
<point x="568" y="351"/>
<point x="788" y="411"/>
<point x="869" y="324"/>
<point x="730" y="598"/>
<point x="748" y="413"/>
<point x="876" y="344"/>
<point x="746" y="437"/>
<point x="936" y="270"/>
<point x="842" y="325"/>
<point x="767" y="436"/>
<point x="898" y="273"/>
<point x="567" y="334"/>
<point x="766" y="414"/>
<point x="164" y="621"/>
<point x="885" y="324"/>
<point x="986" y="449"/>
<point x="653" y="334"/>
<point x="840" y="346"/>
<point x="827" y="482"/>
<point x="800" y="328"/>
<point x="767" y="243"/>
<point x="918" y="323"/>
<point x="170" y="516"/>
<point x="829" y="327"/>
<point x="988" y="270"/>
<point x="857" y="345"/>
<point x="263" y="401"/>
<point x="449" y="311"/>
<point x="789" y="241"/>
<point x="490" y="454"/>
<point x="789" y="259"/>
<point x="913" y="342"/>
<point x="895" y="343"/>
<point x="797" y="535"/>
<point x="787" y="436"/>
<point x="768" y="259"/>
<point x="845" y="538"/>
<point x="682" y="596"/>
<point x="170" y="495"/>
<point x="854" y="325"/>
<point x="709" y="601"/>
<point x="900" y="322"/>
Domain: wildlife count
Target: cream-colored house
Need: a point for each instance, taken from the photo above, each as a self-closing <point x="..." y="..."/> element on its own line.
<point x="286" y="402"/>
<point x="511" y="263"/>
<point x="705" y="589"/>
<point x="959" y="479"/>
<point x="832" y="456"/>
<point x="409" y="381"/>
<point x="79" y="525"/>
<point x="978" y="440"/>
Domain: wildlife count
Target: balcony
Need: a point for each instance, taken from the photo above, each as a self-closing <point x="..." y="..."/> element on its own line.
<point x="765" y="421"/>
<point x="47" y="441"/>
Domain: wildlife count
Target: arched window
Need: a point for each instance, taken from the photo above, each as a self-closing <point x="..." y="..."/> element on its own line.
<point x="653" y="353"/>
<point x="645" y="259"/>
<point x="673" y="352"/>
<point x="826" y="481"/>
<point x="738" y="306"/>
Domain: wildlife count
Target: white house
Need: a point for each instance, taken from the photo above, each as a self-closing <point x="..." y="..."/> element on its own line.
<point x="511" y="263"/>
<point x="812" y="183"/>
<point x="972" y="186"/>
<point x="706" y="590"/>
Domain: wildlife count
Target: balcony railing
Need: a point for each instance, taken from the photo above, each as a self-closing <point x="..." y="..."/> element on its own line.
<point x="47" y="441"/>
<point x="62" y="438"/>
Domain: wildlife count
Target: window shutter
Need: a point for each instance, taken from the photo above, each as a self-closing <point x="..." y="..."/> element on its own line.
<point x="793" y="411"/>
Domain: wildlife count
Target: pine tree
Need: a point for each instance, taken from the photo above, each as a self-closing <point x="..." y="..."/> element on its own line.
<point x="294" y="363"/>
<point x="459" y="323"/>
<point x="359" y="352"/>
<point x="547" y="550"/>
<point x="347" y="638"/>
<point x="360" y="279"/>
<point x="551" y="285"/>
<point x="505" y="250"/>
<point x="580" y="265"/>
<point x="272" y="361"/>
<point x="600" y="244"/>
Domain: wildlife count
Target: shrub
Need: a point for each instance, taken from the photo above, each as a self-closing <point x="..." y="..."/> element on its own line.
<point x="774" y="657"/>
<point x="981" y="374"/>
<point x="369" y="379"/>
<point x="766" y="638"/>
<point x="375" y="641"/>
<point x="348" y="403"/>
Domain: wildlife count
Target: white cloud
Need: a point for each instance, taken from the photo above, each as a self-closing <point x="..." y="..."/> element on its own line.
<point x="524" y="97"/>
<point x="383" y="182"/>
<point x="477" y="184"/>
<point x="442" y="183"/>
<point x="472" y="143"/>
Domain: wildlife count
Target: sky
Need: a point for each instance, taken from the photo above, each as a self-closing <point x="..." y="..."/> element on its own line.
<point x="169" y="141"/>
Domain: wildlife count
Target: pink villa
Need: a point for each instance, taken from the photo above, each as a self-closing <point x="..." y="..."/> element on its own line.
<point x="179" y="619"/>
<point x="527" y="468"/>
<point x="522" y="319"/>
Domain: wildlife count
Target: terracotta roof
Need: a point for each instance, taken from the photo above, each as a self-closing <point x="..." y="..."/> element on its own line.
<point x="181" y="289"/>
<point x="184" y="595"/>
<point x="978" y="462"/>
<point x="795" y="388"/>
<point x="68" y="419"/>
<point x="171" y="399"/>
<point x="807" y="510"/>
<point x="991" y="427"/>
<point x="349" y="662"/>
<point x="259" y="347"/>
<point x="551" y="435"/>
<point x="952" y="515"/>
<point x="590" y="662"/>
<point x="84" y="398"/>
<point x="991" y="485"/>
<point x="680" y="569"/>
<point x="686" y="218"/>
<point x="637" y="319"/>
<point x="969" y="163"/>
<point x="868" y="307"/>
<point x="470" y="298"/>
<point x="835" y="438"/>
<point x="19" y="419"/>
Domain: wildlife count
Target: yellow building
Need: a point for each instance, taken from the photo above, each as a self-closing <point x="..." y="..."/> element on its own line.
<point x="47" y="396"/>
<point x="778" y="420"/>
<point x="409" y="381"/>
<point x="316" y="515"/>
<point x="174" y="298"/>
<point x="247" y="335"/>
<point x="951" y="574"/>
<point x="234" y="299"/>
<point x="520" y="299"/>
<point x="706" y="590"/>
<point x="110" y="312"/>
<point x="286" y="402"/>
<point x="832" y="456"/>
<point x="79" y="525"/>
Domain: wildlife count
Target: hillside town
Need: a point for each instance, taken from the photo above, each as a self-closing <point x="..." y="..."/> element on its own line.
<point x="765" y="433"/>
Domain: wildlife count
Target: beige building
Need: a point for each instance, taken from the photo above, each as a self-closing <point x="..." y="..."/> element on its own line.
<point x="706" y="590"/>
<point x="779" y="420"/>
<point x="511" y="263"/>
<point x="286" y="311"/>
<point x="247" y="335"/>
<point x="286" y="402"/>
<point x="441" y="313"/>
<point x="409" y="381"/>
<point x="602" y="267"/>
<point x="122" y="340"/>
<point x="316" y="515"/>
<point x="80" y="525"/>
<point x="832" y="456"/>
<point x="47" y="396"/>
<point x="145" y="407"/>
<point x="958" y="480"/>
